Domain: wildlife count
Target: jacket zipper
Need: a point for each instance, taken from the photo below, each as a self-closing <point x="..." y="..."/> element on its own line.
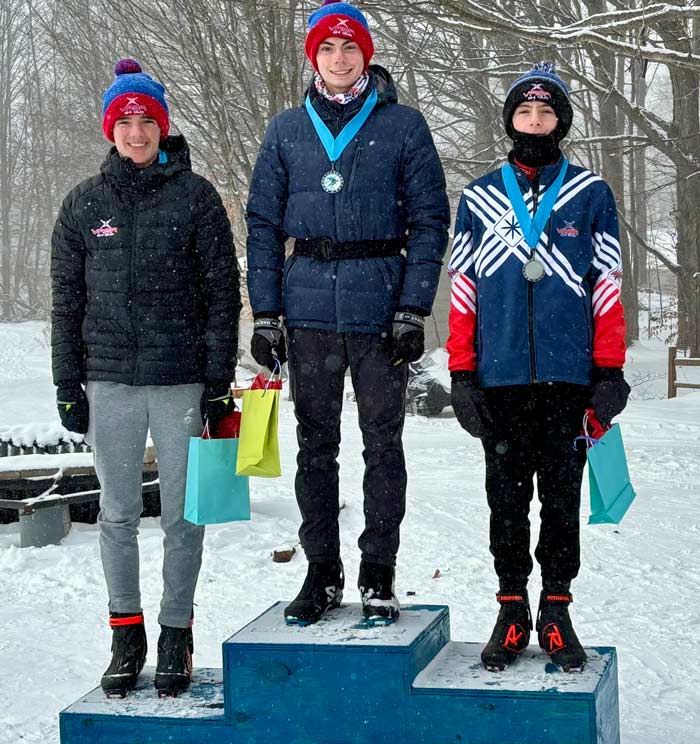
<point x="132" y="259"/>
<point x="531" y="288"/>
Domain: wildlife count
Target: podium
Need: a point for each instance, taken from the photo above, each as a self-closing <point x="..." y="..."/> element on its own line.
<point x="337" y="682"/>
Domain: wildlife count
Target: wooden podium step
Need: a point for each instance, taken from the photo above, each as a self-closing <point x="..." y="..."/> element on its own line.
<point x="338" y="682"/>
<point x="530" y="703"/>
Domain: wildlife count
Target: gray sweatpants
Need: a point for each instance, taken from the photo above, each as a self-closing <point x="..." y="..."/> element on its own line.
<point x="120" y="417"/>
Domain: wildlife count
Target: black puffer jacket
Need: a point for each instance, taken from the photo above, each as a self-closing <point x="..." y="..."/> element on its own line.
<point x="144" y="276"/>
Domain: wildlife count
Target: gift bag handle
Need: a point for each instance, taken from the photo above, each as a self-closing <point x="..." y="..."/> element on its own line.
<point x="592" y="429"/>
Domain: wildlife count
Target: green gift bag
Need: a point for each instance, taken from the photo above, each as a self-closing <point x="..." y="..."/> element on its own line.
<point x="258" y="448"/>
<point x="609" y="478"/>
<point x="214" y="493"/>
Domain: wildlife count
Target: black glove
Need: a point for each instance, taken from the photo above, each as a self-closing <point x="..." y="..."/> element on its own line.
<point x="215" y="403"/>
<point x="610" y="393"/>
<point x="73" y="406"/>
<point x="469" y="403"/>
<point x="408" y="339"/>
<point x="267" y="343"/>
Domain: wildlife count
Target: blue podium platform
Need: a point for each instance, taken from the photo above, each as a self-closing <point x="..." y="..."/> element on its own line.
<point x="339" y="683"/>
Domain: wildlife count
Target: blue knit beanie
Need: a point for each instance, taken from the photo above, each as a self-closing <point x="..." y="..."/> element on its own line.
<point x="133" y="92"/>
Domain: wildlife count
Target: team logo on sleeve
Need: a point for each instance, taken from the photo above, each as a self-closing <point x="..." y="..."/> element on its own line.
<point x="568" y="231"/>
<point x="105" y="230"/>
<point x="537" y="93"/>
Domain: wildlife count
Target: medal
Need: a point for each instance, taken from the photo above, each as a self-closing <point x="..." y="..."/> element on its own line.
<point x="532" y="226"/>
<point x="332" y="181"/>
<point x="533" y="270"/>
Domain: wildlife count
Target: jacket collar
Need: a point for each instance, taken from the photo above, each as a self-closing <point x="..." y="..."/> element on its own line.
<point x="176" y="158"/>
<point x="338" y="113"/>
<point x="547" y="174"/>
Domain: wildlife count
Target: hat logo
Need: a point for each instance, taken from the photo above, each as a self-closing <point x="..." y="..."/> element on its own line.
<point x="341" y="28"/>
<point x="105" y="230"/>
<point x="133" y="107"/>
<point x="537" y="93"/>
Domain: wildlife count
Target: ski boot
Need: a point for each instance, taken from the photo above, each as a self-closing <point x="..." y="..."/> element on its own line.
<point x="128" y="654"/>
<point x="511" y="634"/>
<point x="379" y="603"/>
<point x="322" y="591"/>
<point x="174" y="668"/>
<point x="556" y="633"/>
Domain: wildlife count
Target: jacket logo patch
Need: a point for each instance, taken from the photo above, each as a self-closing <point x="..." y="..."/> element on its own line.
<point x="342" y="29"/>
<point x="537" y="93"/>
<point x="568" y="231"/>
<point x="133" y="107"/>
<point x="105" y="230"/>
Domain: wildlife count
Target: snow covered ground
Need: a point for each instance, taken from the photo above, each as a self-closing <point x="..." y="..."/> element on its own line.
<point x="638" y="589"/>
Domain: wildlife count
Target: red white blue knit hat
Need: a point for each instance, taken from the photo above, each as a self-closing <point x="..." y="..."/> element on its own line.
<point x="341" y="20"/>
<point x="133" y="92"/>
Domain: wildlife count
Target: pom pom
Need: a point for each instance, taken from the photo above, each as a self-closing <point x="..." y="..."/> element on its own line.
<point x="329" y="2"/>
<point x="544" y="66"/>
<point x="127" y="67"/>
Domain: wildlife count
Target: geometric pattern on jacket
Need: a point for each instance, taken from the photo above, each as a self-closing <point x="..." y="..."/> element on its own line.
<point x="513" y="331"/>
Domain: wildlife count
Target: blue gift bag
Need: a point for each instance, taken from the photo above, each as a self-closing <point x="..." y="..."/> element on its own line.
<point x="214" y="492"/>
<point x="609" y="478"/>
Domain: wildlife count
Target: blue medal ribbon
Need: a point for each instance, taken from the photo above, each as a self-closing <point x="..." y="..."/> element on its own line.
<point x="532" y="227"/>
<point x="334" y="146"/>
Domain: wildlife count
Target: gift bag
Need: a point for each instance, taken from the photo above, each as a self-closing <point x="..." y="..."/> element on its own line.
<point x="258" y="451"/>
<point x="214" y="493"/>
<point x="608" y="475"/>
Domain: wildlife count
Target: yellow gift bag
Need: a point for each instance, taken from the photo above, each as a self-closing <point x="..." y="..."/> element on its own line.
<point x="258" y="448"/>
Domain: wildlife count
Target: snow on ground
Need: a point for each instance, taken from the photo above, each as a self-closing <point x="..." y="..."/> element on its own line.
<point x="638" y="588"/>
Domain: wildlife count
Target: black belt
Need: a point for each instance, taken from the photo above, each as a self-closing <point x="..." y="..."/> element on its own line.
<point x="327" y="249"/>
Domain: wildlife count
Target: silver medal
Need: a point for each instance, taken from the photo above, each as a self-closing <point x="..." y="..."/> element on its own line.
<point x="332" y="182"/>
<point x="533" y="270"/>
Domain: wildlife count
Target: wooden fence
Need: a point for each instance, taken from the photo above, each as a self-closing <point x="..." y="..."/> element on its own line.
<point x="674" y="361"/>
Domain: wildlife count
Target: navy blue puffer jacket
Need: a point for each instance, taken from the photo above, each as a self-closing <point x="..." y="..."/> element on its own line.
<point x="394" y="188"/>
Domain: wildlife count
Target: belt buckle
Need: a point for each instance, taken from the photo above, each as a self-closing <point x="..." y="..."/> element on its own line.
<point x="326" y="246"/>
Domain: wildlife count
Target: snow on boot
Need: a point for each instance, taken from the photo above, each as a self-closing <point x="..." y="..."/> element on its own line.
<point x="128" y="654"/>
<point x="379" y="603"/>
<point x="511" y="634"/>
<point x="556" y="633"/>
<point x="322" y="591"/>
<point x="174" y="668"/>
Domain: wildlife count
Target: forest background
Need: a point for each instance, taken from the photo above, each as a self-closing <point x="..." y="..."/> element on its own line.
<point x="229" y="66"/>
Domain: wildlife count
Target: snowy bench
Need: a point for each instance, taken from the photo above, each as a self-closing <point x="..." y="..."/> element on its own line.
<point x="45" y="519"/>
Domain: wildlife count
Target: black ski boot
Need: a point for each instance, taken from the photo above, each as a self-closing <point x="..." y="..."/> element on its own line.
<point x="322" y="591"/>
<point x="556" y="633"/>
<point x="128" y="654"/>
<point x="379" y="603"/>
<point x="511" y="634"/>
<point x="174" y="668"/>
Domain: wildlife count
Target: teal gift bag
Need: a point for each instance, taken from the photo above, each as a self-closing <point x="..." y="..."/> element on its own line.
<point x="609" y="478"/>
<point x="214" y="492"/>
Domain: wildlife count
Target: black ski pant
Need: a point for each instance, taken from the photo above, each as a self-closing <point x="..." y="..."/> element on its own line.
<point x="533" y="432"/>
<point x="318" y="361"/>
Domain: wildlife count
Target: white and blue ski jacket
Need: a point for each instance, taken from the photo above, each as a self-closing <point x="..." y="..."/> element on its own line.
<point x="513" y="331"/>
